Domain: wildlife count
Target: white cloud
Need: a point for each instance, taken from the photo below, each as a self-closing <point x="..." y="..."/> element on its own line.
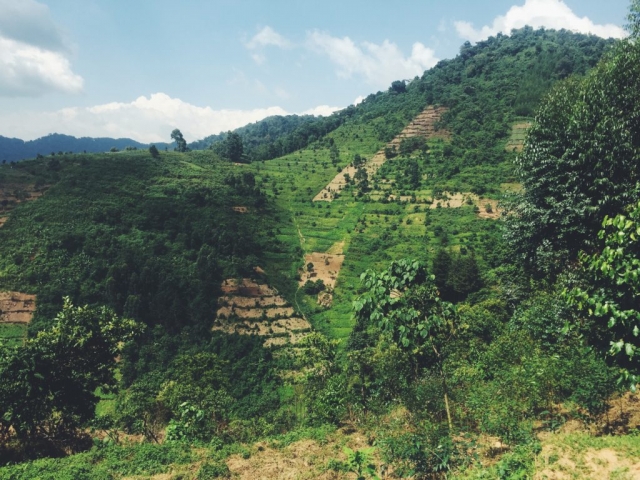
<point x="378" y="64"/>
<point x="268" y="36"/>
<point x="321" y="111"/>
<point x="538" y="13"/>
<point x="265" y="38"/>
<point x="33" y="52"/>
<point x="359" y="99"/>
<point x="146" y="119"/>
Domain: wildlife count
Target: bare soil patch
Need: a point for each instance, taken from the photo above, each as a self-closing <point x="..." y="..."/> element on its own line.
<point x="3" y="220"/>
<point x="16" y="307"/>
<point x="423" y="125"/>
<point x="305" y="459"/>
<point x="248" y="302"/>
<point x="270" y="313"/>
<point x="246" y="287"/>
<point x="487" y="208"/>
<point x="251" y="308"/>
<point x="240" y="209"/>
<point x="326" y="267"/>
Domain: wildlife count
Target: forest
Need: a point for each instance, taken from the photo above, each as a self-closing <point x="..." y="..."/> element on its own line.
<point x="459" y="304"/>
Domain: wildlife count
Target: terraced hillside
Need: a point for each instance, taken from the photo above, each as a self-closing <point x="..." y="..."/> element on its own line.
<point x="425" y="125"/>
<point x="248" y="307"/>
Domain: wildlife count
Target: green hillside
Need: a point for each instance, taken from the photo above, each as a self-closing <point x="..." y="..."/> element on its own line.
<point x="427" y="339"/>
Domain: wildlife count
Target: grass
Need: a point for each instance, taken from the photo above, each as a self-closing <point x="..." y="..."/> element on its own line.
<point x="373" y="232"/>
<point x="12" y="334"/>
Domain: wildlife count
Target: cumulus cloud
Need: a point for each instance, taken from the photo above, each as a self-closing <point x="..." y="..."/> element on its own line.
<point x="538" y="13"/>
<point x="378" y="64"/>
<point x="268" y="36"/>
<point x="33" y="52"/>
<point x="146" y="119"/>
<point x="265" y="38"/>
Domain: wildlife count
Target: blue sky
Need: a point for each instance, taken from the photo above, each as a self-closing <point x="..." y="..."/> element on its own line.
<point x="140" y="68"/>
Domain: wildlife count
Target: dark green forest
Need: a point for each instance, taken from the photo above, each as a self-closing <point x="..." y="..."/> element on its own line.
<point x="460" y="341"/>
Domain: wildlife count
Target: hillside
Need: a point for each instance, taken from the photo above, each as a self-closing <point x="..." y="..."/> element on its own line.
<point x="14" y="149"/>
<point x="350" y="286"/>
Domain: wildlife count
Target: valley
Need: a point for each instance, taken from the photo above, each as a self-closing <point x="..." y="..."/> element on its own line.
<point x="414" y="288"/>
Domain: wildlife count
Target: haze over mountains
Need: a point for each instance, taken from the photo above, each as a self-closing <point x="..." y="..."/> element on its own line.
<point x="14" y="149"/>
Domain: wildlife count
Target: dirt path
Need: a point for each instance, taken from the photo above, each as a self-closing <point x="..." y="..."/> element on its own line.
<point x="424" y="125"/>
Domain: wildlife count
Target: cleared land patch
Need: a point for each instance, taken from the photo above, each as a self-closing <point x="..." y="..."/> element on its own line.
<point x="304" y="459"/>
<point x="16" y="307"/>
<point x="424" y="125"/>
<point x="487" y="207"/>
<point x="250" y="308"/>
<point x="518" y="134"/>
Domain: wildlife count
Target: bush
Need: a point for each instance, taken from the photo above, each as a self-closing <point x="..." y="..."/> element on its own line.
<point x="210" y="470"/>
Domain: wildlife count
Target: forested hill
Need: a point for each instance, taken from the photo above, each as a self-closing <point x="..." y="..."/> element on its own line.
<point x="236" y="316"/>
<point x="14" y="149"/>
<point x="486" y="87"/>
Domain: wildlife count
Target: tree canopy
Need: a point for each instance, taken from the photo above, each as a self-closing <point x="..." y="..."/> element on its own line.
<point x="579" y="161"/>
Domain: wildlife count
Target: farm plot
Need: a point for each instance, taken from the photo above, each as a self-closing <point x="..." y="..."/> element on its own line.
<point x="424" y="125"/>
<point x="16" y="311"/>
<point x="251" y="308"/>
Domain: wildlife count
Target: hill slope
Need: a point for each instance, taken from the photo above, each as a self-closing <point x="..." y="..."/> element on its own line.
<point x="14" y="149"/>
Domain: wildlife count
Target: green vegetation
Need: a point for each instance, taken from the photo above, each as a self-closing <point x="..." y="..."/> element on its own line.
<point x="448" y="338"/>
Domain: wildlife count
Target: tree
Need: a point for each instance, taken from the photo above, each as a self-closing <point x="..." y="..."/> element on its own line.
<point x="181" y="143"/>
<point x="234" y="149"/>
<point x="398" y="87"/>
<point x="579" y="162"/>
<point x="403" y="302"/>
<point x="633" y="19"/>
<point x="153" y="150"/>
<point x="48" y="386"/>
<point x="610" y="298"/>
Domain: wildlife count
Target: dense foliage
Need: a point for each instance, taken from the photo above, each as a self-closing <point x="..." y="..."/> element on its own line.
<point x="579" y="162"/>
<point x="455" y="346"/>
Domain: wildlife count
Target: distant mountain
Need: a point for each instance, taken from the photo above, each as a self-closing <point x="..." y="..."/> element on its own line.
<point x="14" y="149"/>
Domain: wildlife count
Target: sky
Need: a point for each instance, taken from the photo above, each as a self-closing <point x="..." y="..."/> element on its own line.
<point x="140" y="68"/>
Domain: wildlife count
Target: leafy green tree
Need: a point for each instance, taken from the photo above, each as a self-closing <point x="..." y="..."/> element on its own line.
<point x="181" y="143"/>
<point x="611" y="297"/>
<point x="633" y="19"/>
<point x="403" y="302"/>
<point x="579" y="162"/>
<point x="234" y="148"/>
<point x="153" y="150"/>
<point x="48" y="386"/>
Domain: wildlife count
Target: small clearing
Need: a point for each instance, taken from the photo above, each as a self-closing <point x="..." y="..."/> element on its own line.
<point x="424" y="125"/>
<point x="252" y="308"/>
<point x="240" y="209"/>
<point x="326" y="267"/>
<point x="487" y="207"/>
<point x="16" y="307"/>
<point x="3" y="220"/>
<point x="518" y="134"/>
<point x="304" y="459"/>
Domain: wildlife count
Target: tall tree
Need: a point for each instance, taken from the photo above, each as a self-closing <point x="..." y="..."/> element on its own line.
<point x="403" y="302"/>
<point x="579" y="162"/>
<point x="181" y="143"/>
<point x="234" y="149"/>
